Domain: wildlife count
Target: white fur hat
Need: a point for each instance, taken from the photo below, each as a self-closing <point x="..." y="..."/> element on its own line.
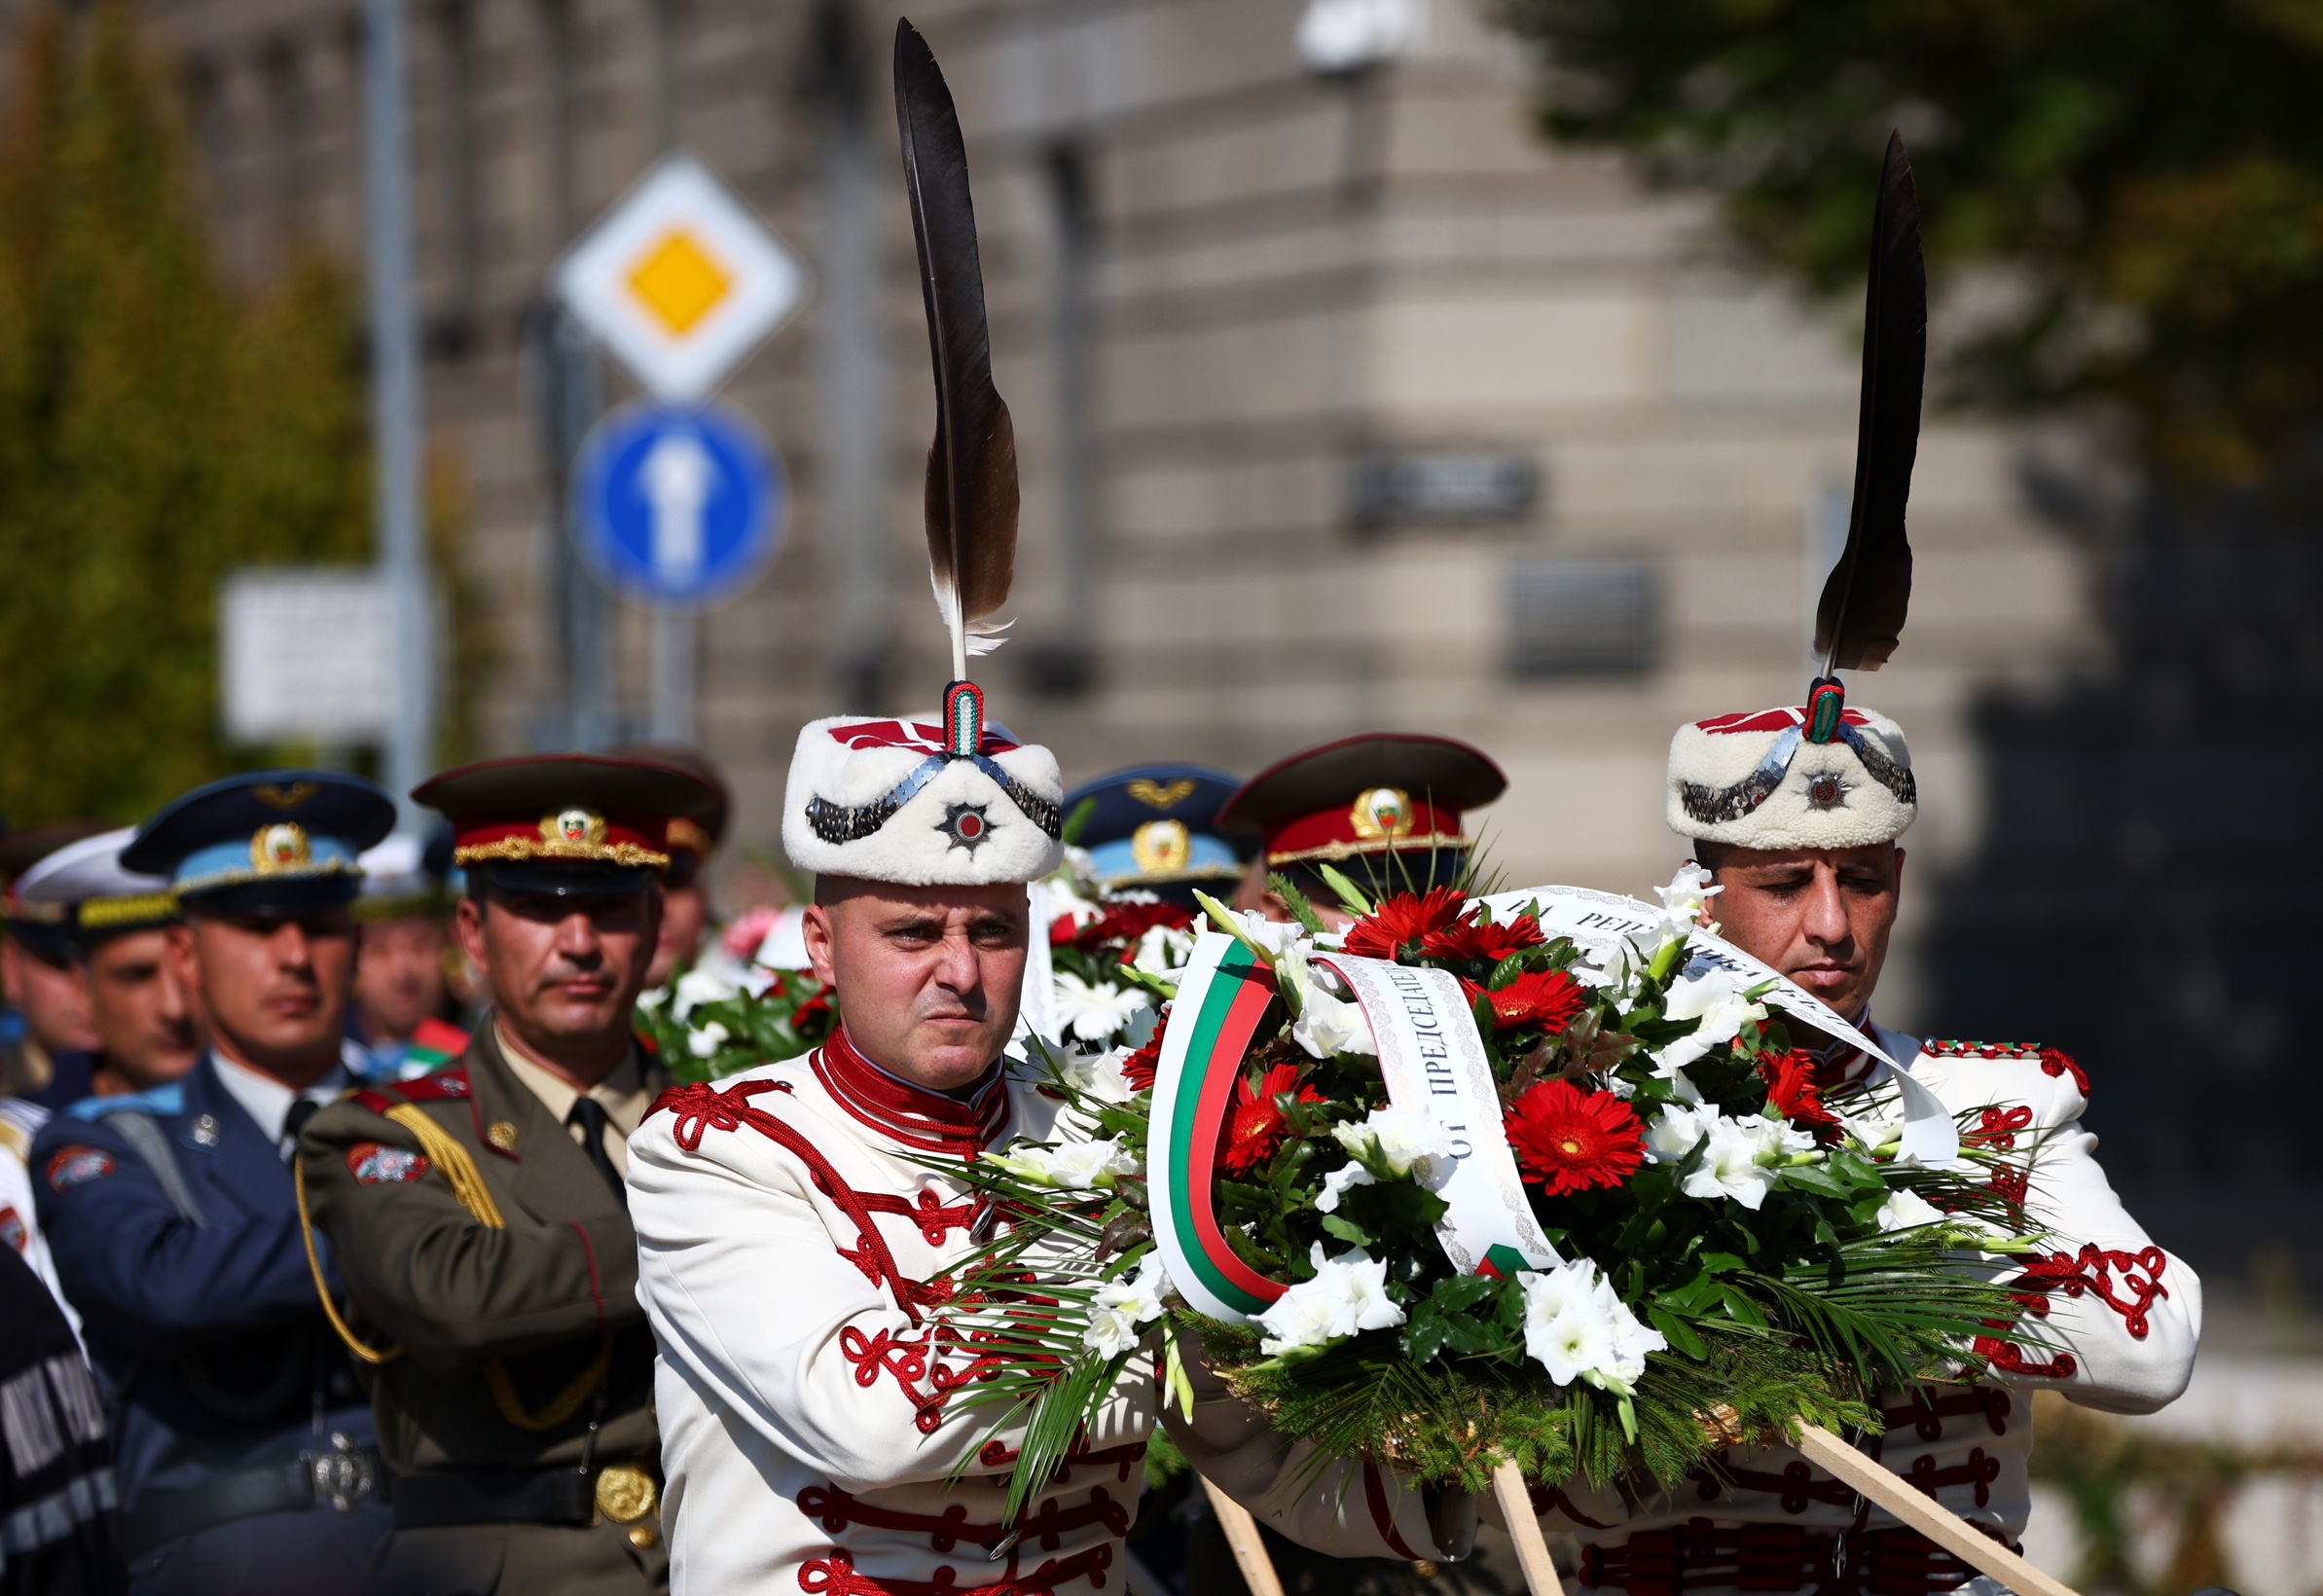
<point x="1756" y="780"/>
<point x="921" y="803"/>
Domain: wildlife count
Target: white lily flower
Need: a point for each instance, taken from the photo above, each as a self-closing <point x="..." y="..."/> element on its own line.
<point x="1339" y="1182"/>
<point x="1348" y="1296"/>
<point x="1071" y="890"/>
<point x="653" y="997"/>
<point x="1905" y="1209"/>
<point x="1076" y="1166"/>
<point x="1093" y="1013"/>
<point x="1716" y="998"/>
<point x="697" y="987"/>
<point x="1326" y="1024"/>
<point x="1578" y="1328"/>
<point x="706" y="1043"/>
<point x="1120" y="1308"/>
<point x="1403" y="1141"/>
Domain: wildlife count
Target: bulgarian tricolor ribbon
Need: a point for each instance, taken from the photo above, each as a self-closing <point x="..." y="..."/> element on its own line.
<point x="1434" y="1064"/>
<point x="1223" y="994"/>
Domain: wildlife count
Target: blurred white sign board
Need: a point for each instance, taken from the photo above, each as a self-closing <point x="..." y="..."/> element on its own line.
<point x="680" y="280"/>
<point x="307" y="653"/>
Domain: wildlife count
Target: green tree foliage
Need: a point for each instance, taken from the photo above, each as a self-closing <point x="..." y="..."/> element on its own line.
<point x="2149" y="176"/>
<point x="155" y="431"/>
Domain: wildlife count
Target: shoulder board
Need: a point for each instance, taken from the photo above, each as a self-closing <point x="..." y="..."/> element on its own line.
<point x="444" y="1086"/>
<point x="2053" y="1060"/>
<point x="163" y="1102"/>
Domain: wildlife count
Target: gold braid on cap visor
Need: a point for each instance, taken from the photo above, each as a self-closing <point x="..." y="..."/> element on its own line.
<point x="519" y="850"/>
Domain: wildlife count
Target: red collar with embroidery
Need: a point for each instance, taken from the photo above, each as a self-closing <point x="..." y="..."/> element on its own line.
<point x="923" y="1120"/>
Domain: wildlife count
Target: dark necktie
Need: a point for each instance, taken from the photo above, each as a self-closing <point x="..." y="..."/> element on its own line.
<point x="301" y="1111"/>
<point x="590" y="1115"/>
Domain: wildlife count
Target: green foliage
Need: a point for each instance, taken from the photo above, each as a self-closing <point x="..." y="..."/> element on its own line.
<point x="155" y="431"/>
<point x="2151" y="177"/>
<point x="727" y="1029"/>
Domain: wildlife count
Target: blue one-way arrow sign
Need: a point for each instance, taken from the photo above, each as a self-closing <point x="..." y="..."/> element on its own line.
<point x="679" y="505"/>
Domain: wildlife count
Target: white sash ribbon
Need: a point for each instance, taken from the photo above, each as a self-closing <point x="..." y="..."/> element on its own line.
<point x="1435" y="1066"/>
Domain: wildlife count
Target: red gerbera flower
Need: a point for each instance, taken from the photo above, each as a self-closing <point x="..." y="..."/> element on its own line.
<point x="1125" y="923"/>
<point x="1140" y="1067"/>
<point x="1491" y="941"/>
<point x="1547" y="998"/>
<point x="1568" y="1140"/>
<point x="1791" y="1090"/>
<point x="1403" y="921"/>
<point x="1258" y="1126"/>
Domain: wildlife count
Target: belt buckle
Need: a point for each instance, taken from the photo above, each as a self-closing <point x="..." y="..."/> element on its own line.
<point x="342" y="1476"/>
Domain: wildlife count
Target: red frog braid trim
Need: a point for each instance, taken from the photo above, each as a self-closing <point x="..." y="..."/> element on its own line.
<point x="2091" y="1270"/>
<point x="698" y="1106"/>
<point x="836" y="1509"/>
<point x="2054" y="1061"/>
<point x="834" y="1574"/>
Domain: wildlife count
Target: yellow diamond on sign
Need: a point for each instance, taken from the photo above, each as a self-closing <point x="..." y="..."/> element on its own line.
<point x="678" y="281"/>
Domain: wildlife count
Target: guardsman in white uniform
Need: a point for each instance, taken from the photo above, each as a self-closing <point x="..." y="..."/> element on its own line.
<point x="1801" y="836"/>
<point x="792" y="1220"/>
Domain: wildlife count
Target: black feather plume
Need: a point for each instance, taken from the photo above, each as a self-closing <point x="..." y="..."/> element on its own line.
<point x="971" y="466"/>
<point x="1860" y="615"/>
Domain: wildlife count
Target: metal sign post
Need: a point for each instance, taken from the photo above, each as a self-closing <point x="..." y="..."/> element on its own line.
<point x="410" y="743"/>
<point x="680" y="281"/>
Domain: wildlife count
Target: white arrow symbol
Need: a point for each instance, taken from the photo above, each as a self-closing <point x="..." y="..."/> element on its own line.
<point x="677" y="475"/>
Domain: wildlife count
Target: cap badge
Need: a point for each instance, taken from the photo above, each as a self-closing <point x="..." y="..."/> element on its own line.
<point x="1159" y="794"/>
<point x="573" y="825"/>
<point x="1161" y="844"/>
<point x="285" y="794"/>
<point x="965" y="825"/>
<point x="1825" y="790"/>
<point x="1383" y="814"/>
<point x="282" y="846"/>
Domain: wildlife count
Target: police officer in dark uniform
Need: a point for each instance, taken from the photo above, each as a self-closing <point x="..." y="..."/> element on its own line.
<point x="244" y="1454"/>
<point x="479" y="1213"/>
<point x="1153" y="828"/>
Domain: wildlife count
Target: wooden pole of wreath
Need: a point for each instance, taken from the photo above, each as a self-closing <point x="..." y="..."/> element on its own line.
<point x="1509" y="1489"/>
<point x="1242" y="1533"/>
<point x="1923" y="1514"/>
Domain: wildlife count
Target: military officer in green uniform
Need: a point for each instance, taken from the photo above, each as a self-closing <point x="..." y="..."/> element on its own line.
<point x="477" y="1215"/>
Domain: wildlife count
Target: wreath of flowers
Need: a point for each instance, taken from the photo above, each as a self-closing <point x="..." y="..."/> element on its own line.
<point x="1744" y="1245"/>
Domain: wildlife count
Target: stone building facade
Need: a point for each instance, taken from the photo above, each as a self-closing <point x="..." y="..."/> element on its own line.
<point x="1343" y="401"/>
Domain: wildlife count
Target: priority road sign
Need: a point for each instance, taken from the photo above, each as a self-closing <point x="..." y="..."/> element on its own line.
<point x="680" y="280"/>
<point x="678" y="505"/>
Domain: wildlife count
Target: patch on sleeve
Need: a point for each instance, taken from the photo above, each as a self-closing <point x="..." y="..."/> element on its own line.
<point x="14" y="1233"/>
<point x="77" y="1166"/>
<point x="372" y="1164"/>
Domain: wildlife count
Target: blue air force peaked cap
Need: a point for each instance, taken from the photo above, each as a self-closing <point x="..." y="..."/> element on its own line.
<point x="1156" y="827"/>
<point x="270" y="843"/>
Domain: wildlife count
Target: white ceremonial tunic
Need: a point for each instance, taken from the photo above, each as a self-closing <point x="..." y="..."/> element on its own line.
<point x="786" y="1243"/>
<point x="2117" y="1318"/>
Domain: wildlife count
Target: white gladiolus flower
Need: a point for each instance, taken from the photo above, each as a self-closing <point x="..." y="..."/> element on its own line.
<point x="1402" y="1142"/>
<point x="1678" y="1130"/>
<point x="1098" y="1077"/>
<point x="1716" y="998"/>
<point x="1162" y="951"/>
<point x="706" y="1043"/>
<point x="1338" y="1183"/>
<point x="1577" y="1328"/>
<point x="1093" y="1013"/>
<point x="1327" y="1021"/>
<point x="1683" y="898"/>
<point x="1905" y="1209"/>
<point x="1738" y="1160"/>
<point x="1076" y="1166"/>
<point x="1120" y="1308"/>
<point x="1348" y="1294"/>
<point x="697" y="987"/>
